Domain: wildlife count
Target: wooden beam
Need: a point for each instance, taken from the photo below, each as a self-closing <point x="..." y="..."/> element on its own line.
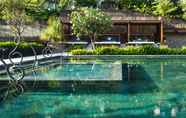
<point x="133" y="21"/>
<point x="161" y="32"/>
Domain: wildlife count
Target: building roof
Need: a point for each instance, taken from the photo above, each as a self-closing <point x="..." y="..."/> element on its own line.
<point x="125" y="16"/>
<point x="131" y="16"/>
<point x="121" y="16"/>
<point x="175" y="25"/>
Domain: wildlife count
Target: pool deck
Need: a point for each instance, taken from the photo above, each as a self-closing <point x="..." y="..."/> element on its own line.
<point x="30" y="59"/>
<point x="46" y="83"/>
<point x="130" y="56"/>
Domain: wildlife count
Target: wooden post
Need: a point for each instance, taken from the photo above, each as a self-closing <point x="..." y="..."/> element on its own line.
<point x="128" y="31"/>
<point x="161" y="32"/>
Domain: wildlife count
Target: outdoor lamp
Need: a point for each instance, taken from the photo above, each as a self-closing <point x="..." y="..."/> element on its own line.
<point x="109" y="38"/>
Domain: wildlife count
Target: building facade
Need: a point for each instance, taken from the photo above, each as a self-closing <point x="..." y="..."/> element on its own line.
<point x="133" y="26"/>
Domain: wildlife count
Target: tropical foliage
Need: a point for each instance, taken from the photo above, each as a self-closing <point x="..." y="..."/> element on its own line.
<point x="24" y="48"/>
<point x="164" y="7"/>
<point x="13" y="11"/>
<point x="86" y="3"/>
<point x="144" y="50"/>
<point x="40" y="9"/>
<point x="182" y="4"/>
<point x="71" y="4"/>
<point x="53" y="32"/>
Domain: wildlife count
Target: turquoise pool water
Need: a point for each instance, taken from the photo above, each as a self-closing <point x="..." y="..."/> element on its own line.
<point x="145" y="88"/>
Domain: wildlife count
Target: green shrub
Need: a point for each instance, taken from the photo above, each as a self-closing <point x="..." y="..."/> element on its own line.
<point x="144" y="50"/>
<point x="82" y="52"/>
<point x="183" y="50"/>
<point x="23" y="47"/>
<point x="149" y="50"/>
<point x="131" y="50"/>
<point x="105" y="46"/>
<point x="75" y="47"/>
<point x="107" y="51"/>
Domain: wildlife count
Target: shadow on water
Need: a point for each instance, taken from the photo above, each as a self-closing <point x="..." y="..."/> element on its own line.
<point x="135" y="79"/>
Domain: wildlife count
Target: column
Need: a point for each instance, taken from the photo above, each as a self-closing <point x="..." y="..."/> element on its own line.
<point x="128" y="31"/>
<point x="161" y="32"/>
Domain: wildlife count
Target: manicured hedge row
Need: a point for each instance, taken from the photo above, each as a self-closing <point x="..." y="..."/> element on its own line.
<point x="144" y="50"/>
<point x="23" y="47"/>
<point x="75" y="47"/>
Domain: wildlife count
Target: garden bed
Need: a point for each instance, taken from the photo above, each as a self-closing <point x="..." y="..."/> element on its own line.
<point x="26" y="49"/>
<point x="144" y="50"/>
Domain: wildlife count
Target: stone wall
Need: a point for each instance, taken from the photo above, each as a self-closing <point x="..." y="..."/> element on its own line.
<point x="176" y="40"/>
<point x="31" y="33"/>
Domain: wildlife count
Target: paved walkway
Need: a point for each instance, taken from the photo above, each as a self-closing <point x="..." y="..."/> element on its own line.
<point x="32" y="58"/>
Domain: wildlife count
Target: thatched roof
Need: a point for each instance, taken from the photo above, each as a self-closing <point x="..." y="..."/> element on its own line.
<point x="125" y="16"/>
<point x="131" y="16"/>
<point x="120" y="16"/>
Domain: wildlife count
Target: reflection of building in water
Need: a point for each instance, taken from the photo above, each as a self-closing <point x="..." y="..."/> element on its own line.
<point x="116" y="72"/>
<point x="85" y="71"/>
<point x="137" y="79"/>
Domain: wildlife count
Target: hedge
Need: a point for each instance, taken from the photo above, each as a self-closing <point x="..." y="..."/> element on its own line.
<point x="144" y="50"/>
<point x="23" y="47"/>
<point x="75" y="47"/>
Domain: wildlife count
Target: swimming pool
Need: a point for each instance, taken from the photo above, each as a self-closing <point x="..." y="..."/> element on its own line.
<point x="102" y="88"/>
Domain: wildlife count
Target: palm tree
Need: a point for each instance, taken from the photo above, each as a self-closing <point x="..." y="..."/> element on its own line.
<point x="164" y="8"/>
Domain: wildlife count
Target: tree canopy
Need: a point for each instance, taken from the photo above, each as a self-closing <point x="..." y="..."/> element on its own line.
<point x="40" y="9"/>
<point x="90" y="22"/>
<point x="13" y="11"/>
<point x="182" y="4"/>
<point x="53" y="31"/>
<point x="164" y="7"/>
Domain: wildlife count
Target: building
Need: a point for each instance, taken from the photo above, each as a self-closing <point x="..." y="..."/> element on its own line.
<point x="131" y="26"/>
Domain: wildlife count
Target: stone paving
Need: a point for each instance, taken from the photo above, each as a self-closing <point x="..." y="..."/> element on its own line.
<point x="32" y="58"/>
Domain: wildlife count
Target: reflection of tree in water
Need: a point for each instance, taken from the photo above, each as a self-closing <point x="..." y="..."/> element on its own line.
<point x="136" y="79"/>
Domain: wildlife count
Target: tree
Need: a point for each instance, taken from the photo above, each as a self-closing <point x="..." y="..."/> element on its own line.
<point x="72" y="4"/>
<point x="182" y="4"/>
<point x="2" y="6"/>
<point x="144" y="8"/>
<point x="67" y="4"/>
<point x="129" y="4"/>
<point x="42" y="9"/>
<point x="90" y="22"/>
<point x="86" y="3"/>
<point x="134" y="4"/>
<point x="164" y="8"/>
<point x="15" y="15"/>
<point x="34" y="3"/>
<point x="54" y="31"/>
